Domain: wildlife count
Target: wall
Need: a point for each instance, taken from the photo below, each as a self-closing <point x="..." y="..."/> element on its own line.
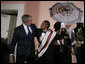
<point x="12" y="2"/>
<point x="32" y="8"/>
<point x="40" y="10"/>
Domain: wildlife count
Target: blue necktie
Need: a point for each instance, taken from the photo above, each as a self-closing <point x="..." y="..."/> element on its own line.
<point x="29" y="33"/>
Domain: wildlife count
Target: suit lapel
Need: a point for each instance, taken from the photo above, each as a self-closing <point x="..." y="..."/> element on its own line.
<point x="32" y="29"/>
<point x="23" y="30"/>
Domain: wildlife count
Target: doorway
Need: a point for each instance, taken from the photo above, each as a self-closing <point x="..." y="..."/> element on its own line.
<point x="8" y="23"/>
<point x="11" y="25"/>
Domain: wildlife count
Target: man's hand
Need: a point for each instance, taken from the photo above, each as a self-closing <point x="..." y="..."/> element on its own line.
<point x="36" y="52"/>
<point x="25" y="61"/>
<point x="11" y="59"/>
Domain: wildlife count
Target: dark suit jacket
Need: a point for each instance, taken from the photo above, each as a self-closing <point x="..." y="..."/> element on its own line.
<point x="25" y="45"/>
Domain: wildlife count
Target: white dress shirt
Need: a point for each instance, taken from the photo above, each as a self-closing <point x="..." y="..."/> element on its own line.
<point x="43" y="34"/>
<point x="26" y="29"/>
<point x="58" y="42"/>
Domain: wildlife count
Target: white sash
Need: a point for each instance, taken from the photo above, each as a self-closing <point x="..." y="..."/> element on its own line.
<point x="46" y="42"/>
<point x="43" y="40"/>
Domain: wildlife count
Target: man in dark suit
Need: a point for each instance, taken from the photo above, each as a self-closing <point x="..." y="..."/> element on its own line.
<point x="24" y="36"/>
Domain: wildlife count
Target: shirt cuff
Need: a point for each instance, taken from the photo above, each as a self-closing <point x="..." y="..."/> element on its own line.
<point x="73" y="43"/>
<point x="11" y="54"/>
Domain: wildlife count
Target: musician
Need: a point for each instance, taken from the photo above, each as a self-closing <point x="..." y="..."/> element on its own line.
<point x="71" y="34"/>
<point x="79" y="33"/>
<point x="72" y="37"/>
<point x="62" y="44"/>
<point x="43" y="33"/>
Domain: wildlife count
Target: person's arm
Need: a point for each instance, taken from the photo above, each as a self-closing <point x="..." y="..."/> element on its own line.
<point x="36" y="45"/>
<point x="72" y="51"/>
<point x="35" y="30"/>
<point x="35" y="38"/>
<point x="73" y="38"/>
<point x="12" y="46"/>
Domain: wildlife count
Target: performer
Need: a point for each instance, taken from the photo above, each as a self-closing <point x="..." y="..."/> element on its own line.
<point x="45" y="37"/>
<point x="79" y="33"/>
<point x="24" y="36"/>
<point x="71" y="34"/>
<point x="62" y="44"/>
